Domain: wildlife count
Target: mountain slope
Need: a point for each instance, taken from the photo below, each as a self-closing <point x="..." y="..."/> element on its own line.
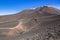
<point x="42" y="23"/>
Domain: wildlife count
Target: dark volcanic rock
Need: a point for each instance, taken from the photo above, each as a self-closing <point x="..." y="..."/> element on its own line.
<point x="42" y="23"/>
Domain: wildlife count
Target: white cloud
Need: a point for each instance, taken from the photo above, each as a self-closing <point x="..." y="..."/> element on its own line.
<point x="58" y="7"/>
<point x="32" y="8"/>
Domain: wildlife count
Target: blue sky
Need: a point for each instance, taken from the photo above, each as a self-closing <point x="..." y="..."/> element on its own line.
<point x="14" y="6"/>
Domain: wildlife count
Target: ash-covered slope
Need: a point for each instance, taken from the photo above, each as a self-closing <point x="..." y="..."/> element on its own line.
<point x="12" y="20"/>
<point x="42" y="23"/>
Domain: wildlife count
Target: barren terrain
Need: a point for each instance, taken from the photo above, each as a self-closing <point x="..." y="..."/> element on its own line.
<point x="42" y="23"/>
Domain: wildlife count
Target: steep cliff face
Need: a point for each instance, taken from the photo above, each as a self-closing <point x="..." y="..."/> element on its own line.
<point x="42" y="23"/>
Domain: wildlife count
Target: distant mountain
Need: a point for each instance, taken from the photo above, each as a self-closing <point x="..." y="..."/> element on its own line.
<point x="42" y="23"/>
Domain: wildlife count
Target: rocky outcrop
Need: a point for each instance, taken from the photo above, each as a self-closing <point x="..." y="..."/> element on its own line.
<point x="42" y="23"/>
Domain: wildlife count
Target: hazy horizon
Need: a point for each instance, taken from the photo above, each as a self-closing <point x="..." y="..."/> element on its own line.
<point x="14" y="6"/>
